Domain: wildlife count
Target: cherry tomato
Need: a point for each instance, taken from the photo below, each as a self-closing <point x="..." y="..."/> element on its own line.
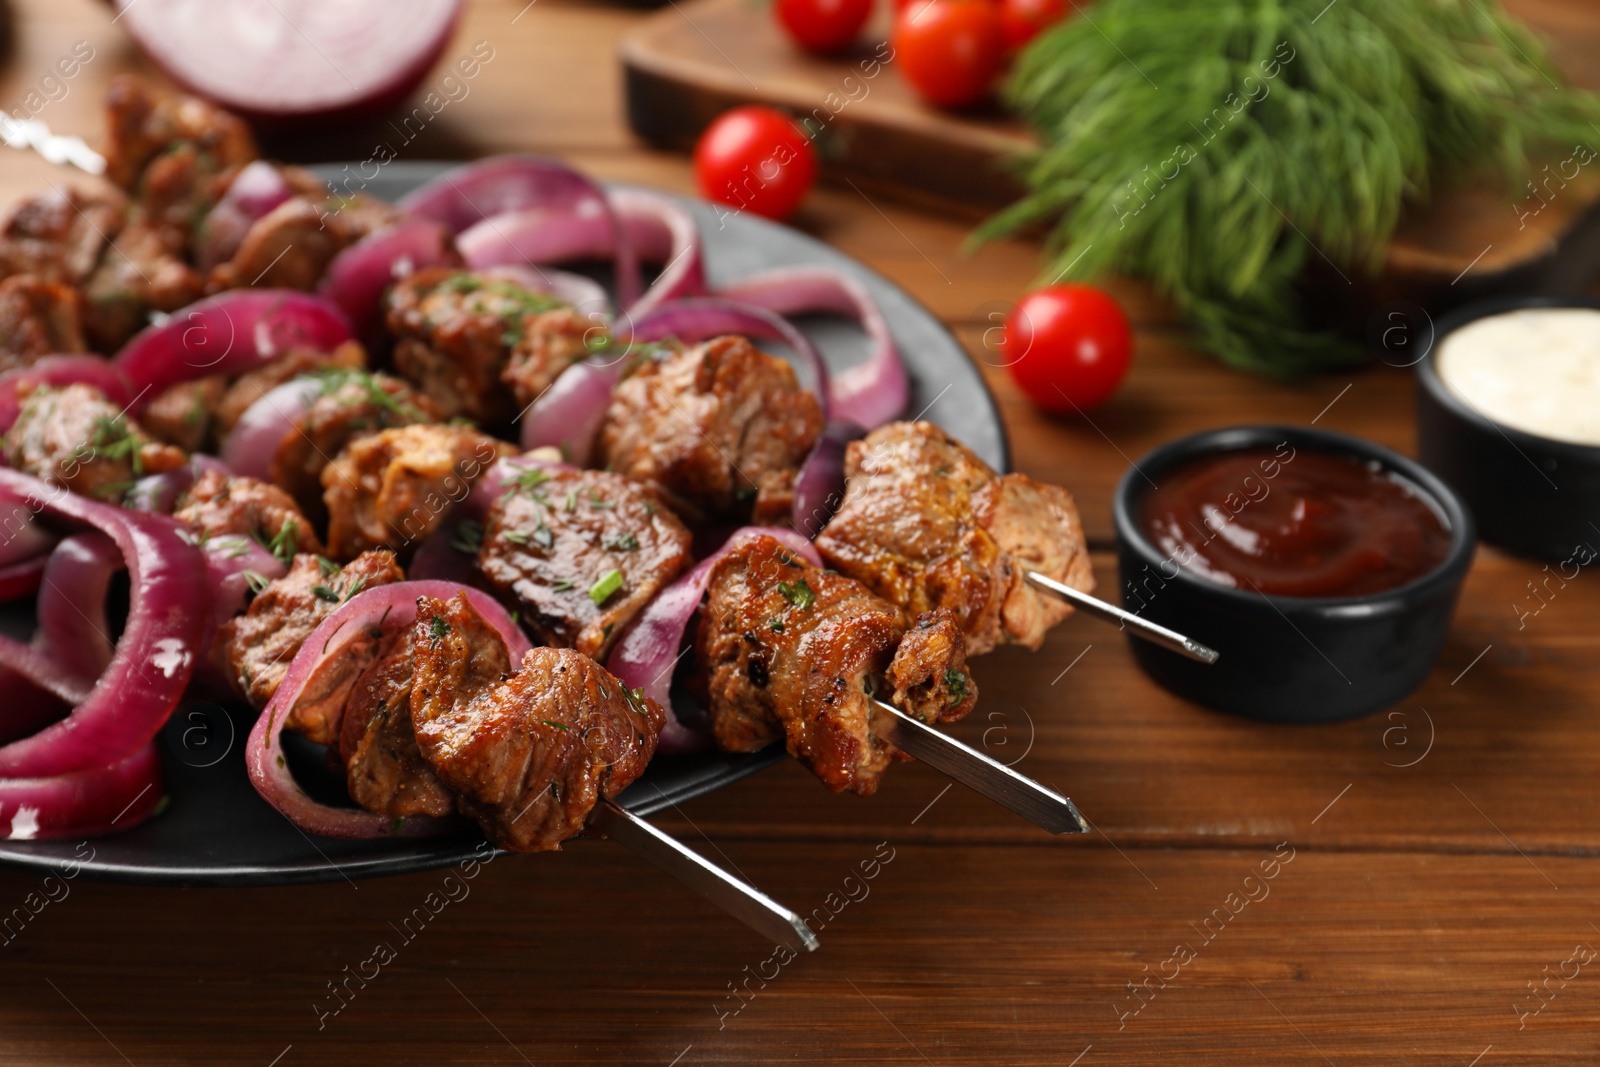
<point x="1067" y="347"/>
<point x="822" y="25"/>
<point x="949" y="50"/>
<point x="755" y="159"/>
<point x="1021" y="20"/>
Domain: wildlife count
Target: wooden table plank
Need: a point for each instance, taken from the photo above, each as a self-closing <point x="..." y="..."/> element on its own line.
<point x="952" y="954"/>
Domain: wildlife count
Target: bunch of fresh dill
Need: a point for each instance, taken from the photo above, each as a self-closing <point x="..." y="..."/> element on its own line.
<point x="1219" y="147"/>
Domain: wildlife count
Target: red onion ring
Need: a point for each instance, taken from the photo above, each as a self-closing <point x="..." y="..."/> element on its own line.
<point x="702" y="318"/>
<point x="568" y="414"/>
<point x="254" y="191"/>
<point x="159" y="493"/>
<point x="22" y="536"/>
<point x="22" y="579"/>
<point x="264" y="759"/>
<point x="83" y="803"/>
<point x="156" y="655"/>
<point x="819" y="487"/>
<point x="868" y="394"/>
<point x="644" y="655"/>
<point x="73" y="630"/>
<point x="230" y="333"/>
<point x="357" y="277"/>
<point x="256" y="437"/>
<point x="60" y="370"/>
<point x="476" y="193"/>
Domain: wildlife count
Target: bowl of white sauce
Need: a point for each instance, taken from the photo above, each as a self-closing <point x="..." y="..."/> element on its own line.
<point x="1508" y="413"/>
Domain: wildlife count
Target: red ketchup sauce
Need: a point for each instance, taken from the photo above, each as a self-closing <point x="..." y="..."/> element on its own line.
<point x="1294" y="523"/>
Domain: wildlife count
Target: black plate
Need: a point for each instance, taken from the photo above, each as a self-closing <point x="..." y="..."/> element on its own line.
<point x="217" y="831"/>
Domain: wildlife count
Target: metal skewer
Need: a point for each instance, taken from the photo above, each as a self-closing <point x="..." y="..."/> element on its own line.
<point x="733" y="895"/>
<point x="55" y="148"/>
<point x="1152" y="632"/>
<point x="1015" y="792"/>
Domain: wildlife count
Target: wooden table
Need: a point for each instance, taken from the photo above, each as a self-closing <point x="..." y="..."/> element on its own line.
<point x="1434" y="891"/>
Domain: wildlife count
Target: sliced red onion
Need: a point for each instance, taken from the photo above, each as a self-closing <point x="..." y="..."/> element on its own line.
<point x="22" y="579"/>
<point x="256" y="437"/>
<point x="85" y="803"/>
<point x="160" y="493"/>
<point x="155" y="655"/>
<point x="255" y="190"/>
<point x="702" y="318"/>
<point x="386" y="606"/>
<point x="469" y="195"/>
<point x="644" y="655"/>
<point x="22" y="536"/>
<point x="230" y="333"/>
<point x="819" y="487"/>
<point x="357" y="277"/>
<point x="60" y="370"/>
<point x="568" y="415"/>
<point x="35" y="663"/>
<point x="232" y="563"/>
<point x="73" y="629"/>
<point x="439" y="560"/>
<point x="868" y="394"/>
<point x="683" y="267"/>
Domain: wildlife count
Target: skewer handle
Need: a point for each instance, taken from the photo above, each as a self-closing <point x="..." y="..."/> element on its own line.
<point x="1152" y="632"/>
<point x="733" y="895"/>
<point x="55" y="148"/>
<point x="1015" y="792"/>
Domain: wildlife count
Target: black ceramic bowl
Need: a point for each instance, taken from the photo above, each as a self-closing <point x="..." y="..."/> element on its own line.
<point x="1288" y="659"/>
<point x="1529" y="494"/>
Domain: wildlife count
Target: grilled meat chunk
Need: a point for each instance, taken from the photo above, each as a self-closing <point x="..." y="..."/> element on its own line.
<point x="37" y="318"/>
<point x="256" y="648"/>
<point x="384" y="769"/>
<point x="294" y="362"/>
<point x="351" y="405"/>
<point x="181" y="416"/>
<point x="551" y="342"/>
<point x="139" y="272"/>
<point x="457" y="332"/>
<point x="925" y="523"/>
<point x="788" y="651"/>
<point x="716" y="427"/>
<point x="218" y="505"/>
<point x="528" y="756"/>
<point x="393" y="488"/>
<point x="59" y="236"/>
<point x="290" y="246"/>
<point x="557" y="536"/>
<point x="73" y="436"/>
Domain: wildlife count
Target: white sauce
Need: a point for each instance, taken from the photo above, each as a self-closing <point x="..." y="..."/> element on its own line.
<point x="1536" y="370"/>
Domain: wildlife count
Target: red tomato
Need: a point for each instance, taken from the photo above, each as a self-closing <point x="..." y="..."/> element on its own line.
<point x="822" y="25"/>
<point x="1021" y="20"/>
<point x="1067" y="346"/>
<point x="949" y="50"/>
<point x="757" y="160"/>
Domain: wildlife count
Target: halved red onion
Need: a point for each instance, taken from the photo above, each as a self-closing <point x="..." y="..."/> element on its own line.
<point x="357" y="277"/>
<point x="155" y="655"/>
<point x="467" y="196"/>
<point x="73" y="629"/>
<point x="386" y="606"/>
<point x="819" y="487"/>
<point x="569" y="413"/>
<point x="60" y="370"/>
<point x="702" y="318"/>
<point x="254" y="191"/>
<point x="230" y="333"/>
<point x="644" y="656"/>
<point x="255" y="438"/>
<point x="85" y="803"/>
<point x="868" y="394"/>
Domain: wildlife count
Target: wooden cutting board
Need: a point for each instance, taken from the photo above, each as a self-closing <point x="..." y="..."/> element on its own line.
<point x="697" y="58"/>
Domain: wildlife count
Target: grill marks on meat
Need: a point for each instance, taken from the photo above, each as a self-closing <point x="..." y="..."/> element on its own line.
<point x="529" y="756"/>
<point x="256" y="648"/>
<point x="219" y="505"/>
<point x="925" y="523"/>
<point x="38" y="318"/>
<point x="456" y="333"/>
<point x="393" y="488"/>
<point x="350" y="405"/>
<point x="556" y="533"/>
<point x="384" y="770"/>
<point x="718" y="427"/>
<point x="791" y="651"/>
<point x="74" y="437"/>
